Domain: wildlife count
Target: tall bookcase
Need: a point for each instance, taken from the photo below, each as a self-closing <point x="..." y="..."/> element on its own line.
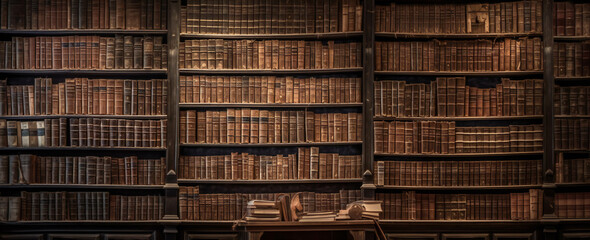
<point x="172" y="225"/>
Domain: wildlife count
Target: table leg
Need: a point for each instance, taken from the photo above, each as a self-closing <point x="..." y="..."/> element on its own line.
<point x="255" y="235"/>
<point x="357" y="235"/>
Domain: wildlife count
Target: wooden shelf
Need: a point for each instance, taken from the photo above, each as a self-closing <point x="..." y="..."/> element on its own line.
<point x="82" y="149"/>
<point x="285" y="181"/>
<point x="572" y="116"/>
<point x="572" y="151"/>
<point x="47" y="32"/>
<point x="457" y="154"/>
<point x="299" y="36"/>
<point x="384" y="221"/>
<point x="101" y="72"/>
<point x="91" y="223"/>
<point x="80" y="186"/>
<point x="304" y="144"/>
<point x="455" y="188"/>
<point x="570" y="38"/>
<point x="573" y="185"/>
<point x="564" y="79"/>
<point x="453" y="35"/>
<point x="457" y="73"/>
<point x="489" y="118"/>
<point x="269" y="105"/>
<point x="271" y="71"/>
<point x="33" y="117"/>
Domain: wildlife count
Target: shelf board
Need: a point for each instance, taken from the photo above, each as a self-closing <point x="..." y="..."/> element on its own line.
<point x="458" y="73"/>
<point x="563" y="79"/>
<point x="82" y="149"/>
<point x="286" y="181"/>
<point x="79" y="186"/>
<point x="269" y="105"/>
<point x="304" y="144"/>
<point x="272" y="71"/>
<point x="32" y="117"/>
<point x="570" y="38"/>
<point x="572" y="116"/>
<point x="573" y="185"/>
<point x="53" y="32"/>
<point x="571" y="151"/>
<point x="454" y="188"/>
<point x="453" y="35"/>
<point x="488" y="118"/>
<point x="385" y="221"/>
<point x="300" y="36"/>
<point x="457" y="154"/>
<point x="101" y="72"/>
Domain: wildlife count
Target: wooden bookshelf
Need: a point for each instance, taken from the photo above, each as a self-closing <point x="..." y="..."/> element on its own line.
<point x="550" y="227"/>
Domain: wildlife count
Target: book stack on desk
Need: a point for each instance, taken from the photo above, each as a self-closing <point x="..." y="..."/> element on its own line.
<point x="318" y="217"/>
<point x="261" y="210"/>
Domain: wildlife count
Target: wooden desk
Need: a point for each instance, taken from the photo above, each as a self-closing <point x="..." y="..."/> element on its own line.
<point x="356" y="228"/>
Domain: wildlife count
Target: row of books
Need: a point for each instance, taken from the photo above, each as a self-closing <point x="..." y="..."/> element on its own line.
<point x="269" y="54"/>
<point x="81" y="206"/>
<point x="459" y="173"/>
<point x="571" y="19"/>
<point x="571" y="100"/>
<point x="84" y="52"/>
<point x="505" y="17"/>
<point x="450" y="97"/>
<point x="245" y="125"/>
<point x="85" y="96"/>
<point x="571" y="59"/>
<point x="308" y="163"/>
<point x="572" y="170"/>
<point x="83" y="132"/>
<point x="572" y="204"/>
<point x="84" y="14"/>
<point x="47" y="133"/>
<point x="269" y="89"/>
<point x="522" y="54"/>
<point x="103" y="132"/>
<point x="572" y="134"/>
<point x="197" y="206"/>
<point x="31" y="169"/>
<point x="441" y="137"/>
<point x="428" y="206"/>
<point x="271" y="17"/>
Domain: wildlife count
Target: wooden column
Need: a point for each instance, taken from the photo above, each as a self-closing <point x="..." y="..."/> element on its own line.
<point x="368" y="77"/>
<point x="548" y="119"/>
<point x="171" y="187"/>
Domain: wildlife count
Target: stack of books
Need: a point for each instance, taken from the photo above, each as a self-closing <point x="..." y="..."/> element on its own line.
<point x="262" y="210"/>
<point x="318" y="217"/>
